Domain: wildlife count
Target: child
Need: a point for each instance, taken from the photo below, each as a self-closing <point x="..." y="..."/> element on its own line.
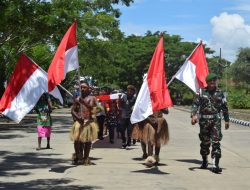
<point x="44" y="122"/>
<point x="112" y="119"/>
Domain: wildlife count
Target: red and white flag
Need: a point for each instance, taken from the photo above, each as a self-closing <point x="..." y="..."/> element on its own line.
<point x="26" y="85"/>
<point x="154" y="94"/>
<point x="194" y="70"/>
<point x="115" y="96"/>
<point x="65" y="58"/>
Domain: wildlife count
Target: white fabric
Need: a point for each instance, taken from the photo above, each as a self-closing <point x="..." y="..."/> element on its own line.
<point x="187" y="75"/>
<point x="71" y="60"/>
<point x="115" y="96"/>
<point x="143" y="106"/>
<point x="28" y="96"/>
<point x="56" y="93"/>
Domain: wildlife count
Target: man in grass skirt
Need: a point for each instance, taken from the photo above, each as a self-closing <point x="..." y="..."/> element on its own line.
<point x="84" y="129"/>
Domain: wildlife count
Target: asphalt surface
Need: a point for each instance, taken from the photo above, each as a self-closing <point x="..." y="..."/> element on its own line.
<point x="22" y="167"/>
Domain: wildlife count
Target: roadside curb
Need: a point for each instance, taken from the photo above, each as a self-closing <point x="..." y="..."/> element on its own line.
<point x="240" y="122"/>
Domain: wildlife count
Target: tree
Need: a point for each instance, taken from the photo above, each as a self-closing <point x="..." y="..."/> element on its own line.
<point x="23" y="27"/>
<point x="240" y="70"/>
<point x="36" y="27"/>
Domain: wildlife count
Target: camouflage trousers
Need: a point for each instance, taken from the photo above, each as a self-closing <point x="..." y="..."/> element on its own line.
<point x="210" y="133"/>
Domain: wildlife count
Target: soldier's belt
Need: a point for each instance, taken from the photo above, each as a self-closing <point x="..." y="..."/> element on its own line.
<point x="213" y="116"/>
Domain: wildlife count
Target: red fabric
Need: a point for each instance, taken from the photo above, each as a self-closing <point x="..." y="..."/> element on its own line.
<point x="156" y="78"/>
<point x="56" y="68"/>
<point x="103" y="97"/>
<point x="24" y="69"/>
<point x="199" y="59"/>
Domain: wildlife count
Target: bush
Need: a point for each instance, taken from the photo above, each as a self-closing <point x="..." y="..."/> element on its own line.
<point x="238" y="99"/>
<point x="188" y="98"/>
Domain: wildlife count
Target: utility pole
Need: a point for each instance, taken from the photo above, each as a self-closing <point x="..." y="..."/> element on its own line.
<point x="223" y="66"/>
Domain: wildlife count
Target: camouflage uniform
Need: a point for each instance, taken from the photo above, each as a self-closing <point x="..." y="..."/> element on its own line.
<point x="209" y="104"/>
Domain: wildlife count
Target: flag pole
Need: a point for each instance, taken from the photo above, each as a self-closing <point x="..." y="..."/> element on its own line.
<point x="173" y="77"/>
<point x="80" y="91"/>
<point x="47" y="73"/>
<point x="79" y="81"/>
<point x="171" y="80"/>
<point x="200" y="43"/>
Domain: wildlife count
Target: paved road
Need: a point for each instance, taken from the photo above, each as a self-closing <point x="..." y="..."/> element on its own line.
<point x="22" y="167"/>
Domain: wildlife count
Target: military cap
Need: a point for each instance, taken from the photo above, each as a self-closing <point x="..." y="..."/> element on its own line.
<point x="211" y="76"/>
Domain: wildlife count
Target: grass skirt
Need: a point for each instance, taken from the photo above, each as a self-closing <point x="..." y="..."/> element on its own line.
<point x="86" y="133"/>
<point x="145" y="132"/>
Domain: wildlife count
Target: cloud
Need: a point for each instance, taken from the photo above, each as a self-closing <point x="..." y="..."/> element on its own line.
<point x="229" y="32"/>
<point x="240" y="5"/>
<point x="242" y="8"/>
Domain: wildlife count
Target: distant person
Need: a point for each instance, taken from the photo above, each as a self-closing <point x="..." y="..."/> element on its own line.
<point x="112" y="119"/>
<point x="44" y="121"/>
<point x="209" y="104"/>
<point x="101" y="114"/>
<point x="126" y="104"/>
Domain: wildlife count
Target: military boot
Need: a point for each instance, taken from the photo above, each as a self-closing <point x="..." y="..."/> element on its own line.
<point x="216" y="168"/>
<point x="204" y="162"/>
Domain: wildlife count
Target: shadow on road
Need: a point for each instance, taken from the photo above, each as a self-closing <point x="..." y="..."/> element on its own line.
<point x="152" y="170"/>
<point x="15" y="164"/>
<point x="193" y="161"/>
<point x="106" y="144"/>
<point x="43" y="184"/>
<point x="60" y="169"/>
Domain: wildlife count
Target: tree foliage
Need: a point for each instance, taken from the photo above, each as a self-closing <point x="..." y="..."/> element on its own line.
<point x="217" y="65"/>
<point x="240" y="70"/>
<point x="36" y="27"/>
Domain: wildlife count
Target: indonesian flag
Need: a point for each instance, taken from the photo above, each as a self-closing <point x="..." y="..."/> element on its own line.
<point x="26" y="85"/>
<point x="109" y="97"/>
<point x="65" y="58"/>
<point x="154" y="94"/>
<point x="194" y="71"/>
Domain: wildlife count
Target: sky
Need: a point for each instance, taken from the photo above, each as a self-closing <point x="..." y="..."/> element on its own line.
<point x="221" y="24"/>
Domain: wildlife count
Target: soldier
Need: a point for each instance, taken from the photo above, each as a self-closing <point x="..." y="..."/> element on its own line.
<point x="209" y="104"/>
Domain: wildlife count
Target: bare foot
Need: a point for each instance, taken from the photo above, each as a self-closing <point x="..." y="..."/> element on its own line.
<point x="38" y="148"/>
<point x="87" y="162"/>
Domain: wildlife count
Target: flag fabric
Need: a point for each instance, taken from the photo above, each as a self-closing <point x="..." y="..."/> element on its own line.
<point x="154" y="94"/>
<point x="65" y="58"/>
<point x="26" y="85"/>
<point x="109" y="97"/>
<point x="194" y="70"/>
